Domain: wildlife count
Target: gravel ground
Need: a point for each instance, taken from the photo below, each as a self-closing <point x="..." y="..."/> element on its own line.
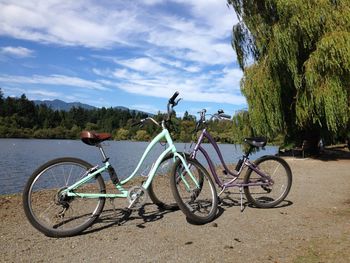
<point x="312" y="225"/>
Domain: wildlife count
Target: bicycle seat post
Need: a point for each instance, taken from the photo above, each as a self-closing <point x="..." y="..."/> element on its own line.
<point x="105" y="158"/>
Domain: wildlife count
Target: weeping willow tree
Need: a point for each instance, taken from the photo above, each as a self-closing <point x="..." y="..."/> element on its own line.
<point x="295" y="56"/>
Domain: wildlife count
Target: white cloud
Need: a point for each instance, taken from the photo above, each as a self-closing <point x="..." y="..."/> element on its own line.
<point x="151" y="2"/>
<point x="20" y="52"/>
<point x="145" y="108"/>
<point x="82" y="23"/>
<point x="196" y="88"/>
<point x="167" y="62"/>
<point x="53" y="80"/>
<point x="142" y="64"/>
<point x="125" y="74"/>
<point x="120" y="74"/>
<point x="230" y="78"/>
<point x="197" y="84"/>
<point x="166" y="92"/>
<point x="123" y="23"/>
<point x="194" y="43"/>
<point x="190" y="53"/>
<point x="45" y="94"/>
<point x="215" y="14"/>
<point x="192" y="69"/>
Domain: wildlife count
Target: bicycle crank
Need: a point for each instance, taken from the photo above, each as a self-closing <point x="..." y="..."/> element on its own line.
<point x="137" y="197"/>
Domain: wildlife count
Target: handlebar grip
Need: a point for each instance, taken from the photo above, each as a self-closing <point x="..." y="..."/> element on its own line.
<point x="226" y="116"/>
<point x="136" y="123"/>
<point x="172" y="99"/>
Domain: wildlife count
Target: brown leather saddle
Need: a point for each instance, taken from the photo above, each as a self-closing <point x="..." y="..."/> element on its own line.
<point x="94" y="138"/>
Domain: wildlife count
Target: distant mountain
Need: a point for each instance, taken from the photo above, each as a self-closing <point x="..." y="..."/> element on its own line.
<point x="62" y="105"/>
<point x="66" y="106"/>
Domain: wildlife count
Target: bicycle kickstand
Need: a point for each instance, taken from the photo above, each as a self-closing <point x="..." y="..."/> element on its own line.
<point x="113" y="205"/>
<point x="241" y="195"/>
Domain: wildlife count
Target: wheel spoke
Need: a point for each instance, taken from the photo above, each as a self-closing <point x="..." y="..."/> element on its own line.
<point x="56" y="214"/>
<point x="280" y="178"/>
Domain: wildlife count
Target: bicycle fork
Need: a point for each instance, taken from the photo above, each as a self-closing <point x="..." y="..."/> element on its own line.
<point x="187" y="170"/>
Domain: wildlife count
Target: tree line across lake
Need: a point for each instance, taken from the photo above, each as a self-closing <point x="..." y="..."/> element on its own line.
<point x="21" y="118"/>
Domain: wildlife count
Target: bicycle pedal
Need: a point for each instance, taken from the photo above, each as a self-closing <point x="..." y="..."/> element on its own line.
<point x="137" y="197"/>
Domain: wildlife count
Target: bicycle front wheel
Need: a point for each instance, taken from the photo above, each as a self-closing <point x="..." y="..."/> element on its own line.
<point x="275" y="190"/>
<point x="196" y="195"/>
<point x="53" y="213"/>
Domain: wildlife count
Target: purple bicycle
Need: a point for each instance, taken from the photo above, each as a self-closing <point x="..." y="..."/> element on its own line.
<point x="267" y="180"/>
<point x="266" y="183"/>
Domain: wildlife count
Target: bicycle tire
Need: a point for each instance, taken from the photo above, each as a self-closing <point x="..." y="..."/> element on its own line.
<point x="198" y="204"/>
<point x="157" y="190"/>
<point x="41" y="197"/>
<point x="163" y="197"/>
<point x="268" y="196"/>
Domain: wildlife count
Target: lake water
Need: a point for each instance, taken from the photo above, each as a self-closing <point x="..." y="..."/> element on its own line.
<point x="20" y="157"/>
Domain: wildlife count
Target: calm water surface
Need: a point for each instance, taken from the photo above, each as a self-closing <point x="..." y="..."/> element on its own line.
<point x="20" y="157"/>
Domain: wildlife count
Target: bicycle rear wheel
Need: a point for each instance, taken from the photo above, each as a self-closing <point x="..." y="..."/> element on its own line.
<point x="159" y="189"/>
<point x="198" y="202"/>
<point x="53" y="213"/>
<point x="266" y="196"/>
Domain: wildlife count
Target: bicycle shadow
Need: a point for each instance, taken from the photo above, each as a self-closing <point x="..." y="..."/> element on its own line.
<point x="117" y="217"/>
<point x="231" y="199"/>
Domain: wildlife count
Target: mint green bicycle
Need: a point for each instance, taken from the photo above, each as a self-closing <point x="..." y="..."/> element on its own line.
<point x="65" y="196"/>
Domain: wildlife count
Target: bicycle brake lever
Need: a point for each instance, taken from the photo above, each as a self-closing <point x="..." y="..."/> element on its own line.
<point x="176" y="102"/>
<point x="139" y="123"/>
<point x="135" y="124"/>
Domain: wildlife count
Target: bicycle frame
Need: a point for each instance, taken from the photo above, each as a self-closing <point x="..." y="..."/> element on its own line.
<point x="70" y="191"/>
<point x="235" y="174"/>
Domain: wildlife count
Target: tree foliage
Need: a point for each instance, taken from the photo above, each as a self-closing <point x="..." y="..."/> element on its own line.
<point x="20" y="117"/>
<point x="296" y="60"/>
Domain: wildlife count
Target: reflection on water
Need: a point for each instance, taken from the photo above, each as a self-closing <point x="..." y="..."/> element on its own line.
<point x="20" y="157"/>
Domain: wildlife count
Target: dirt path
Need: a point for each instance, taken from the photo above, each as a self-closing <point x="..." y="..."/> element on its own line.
<point x="313" y="225"/>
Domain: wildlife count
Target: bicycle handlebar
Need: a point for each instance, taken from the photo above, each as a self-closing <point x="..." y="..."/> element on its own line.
<point x="172" y="99"/>
<point x="171" y="104"/>
<point x="225" y="116"/>
<point x="220" y="115"/>
<point x="136" y="123"/>
<point x="144" y="120"/>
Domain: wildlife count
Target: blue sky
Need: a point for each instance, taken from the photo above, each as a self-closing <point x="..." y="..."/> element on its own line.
<point x="121" y="53"/>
